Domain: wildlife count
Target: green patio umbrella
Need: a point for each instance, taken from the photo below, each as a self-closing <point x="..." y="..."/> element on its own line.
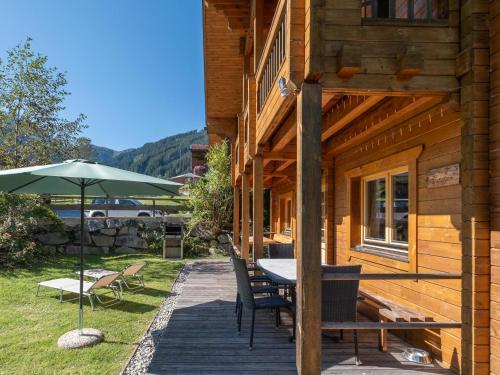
<point x="83" y="177"/>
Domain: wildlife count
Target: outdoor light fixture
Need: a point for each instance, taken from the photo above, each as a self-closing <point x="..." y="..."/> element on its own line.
<point x="286" y="87"/>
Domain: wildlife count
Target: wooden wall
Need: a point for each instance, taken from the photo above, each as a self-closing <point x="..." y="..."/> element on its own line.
<point x="439" y="224"/>
<point x="495" y="186"/>
<point x="373" y="48"/>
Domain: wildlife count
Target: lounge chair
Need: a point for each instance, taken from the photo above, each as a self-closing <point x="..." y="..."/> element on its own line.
<point x="132" y="270"/>
<point x="89" y="288"/>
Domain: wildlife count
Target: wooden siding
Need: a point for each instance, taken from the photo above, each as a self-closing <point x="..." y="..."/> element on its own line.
<point x="223" y="66"/>
<point x="439" y="225"/>
<point x="374" y="49"/>
<point x="495" y="186"/>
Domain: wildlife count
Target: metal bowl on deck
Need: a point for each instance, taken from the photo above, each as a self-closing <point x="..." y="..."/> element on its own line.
<point x="417" y="355"/>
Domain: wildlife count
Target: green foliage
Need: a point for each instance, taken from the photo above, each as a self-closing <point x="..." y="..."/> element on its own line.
<point x="154" y="240"/>
<point x="32" y="130"/>
<point x="194" y="247"/>
<point x="20" y="219"/>
<point x="167" y="157"/>
<point x="211" y="198"/>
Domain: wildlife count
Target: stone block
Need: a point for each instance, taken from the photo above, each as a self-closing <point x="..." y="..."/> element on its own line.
<point x="103" y="240"/>
<point x="130" y="241"/>
<point x="54" y="238"/>
<point x="131" y="231"/>
<point x="108" y="231"/>
<point x="113" y="223"/>
<point x="86" y="238"/>
<point x="223" y="238"/>
<point x="95" y="225"/>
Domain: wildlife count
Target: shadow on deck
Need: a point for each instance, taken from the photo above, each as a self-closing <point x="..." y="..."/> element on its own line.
<point x="201" y="337"/>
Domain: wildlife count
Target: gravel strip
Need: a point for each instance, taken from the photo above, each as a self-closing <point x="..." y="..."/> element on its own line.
<point x="140" y="360"/>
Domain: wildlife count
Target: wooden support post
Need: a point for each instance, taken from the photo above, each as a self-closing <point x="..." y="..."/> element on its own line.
<point x="236" y="215"/>
<point x="475" y="176"/>
<point x="245" y="215"/>
<point x="258" y="207"/>
<point x="309" y="229"/>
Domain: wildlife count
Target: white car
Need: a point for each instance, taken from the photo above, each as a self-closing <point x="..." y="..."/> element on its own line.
<point x="120" y="213"/>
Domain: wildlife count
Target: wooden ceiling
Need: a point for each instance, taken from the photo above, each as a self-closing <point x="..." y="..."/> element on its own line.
<point x="347" y="121"/>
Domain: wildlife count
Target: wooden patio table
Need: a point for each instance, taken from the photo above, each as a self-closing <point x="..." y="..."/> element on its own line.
<point x="280" y="271"/>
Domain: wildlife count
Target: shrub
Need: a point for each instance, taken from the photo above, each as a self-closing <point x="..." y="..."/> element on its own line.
<point x="154" y="240"/>
<point x="21" y="217"/>
<point x="211" y="197"/>
<point x="194" y="247"/>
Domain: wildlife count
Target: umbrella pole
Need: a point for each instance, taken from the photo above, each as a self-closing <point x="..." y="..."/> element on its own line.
<point x="82" y="226"/>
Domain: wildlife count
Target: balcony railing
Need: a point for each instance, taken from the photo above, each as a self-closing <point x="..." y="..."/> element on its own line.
<point x="274" y="57"/>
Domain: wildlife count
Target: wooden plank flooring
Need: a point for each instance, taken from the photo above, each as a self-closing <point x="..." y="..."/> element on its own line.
<point x="201" y="337"/>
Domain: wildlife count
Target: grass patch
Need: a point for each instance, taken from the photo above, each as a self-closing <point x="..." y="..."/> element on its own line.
<point x="30" y="326"/>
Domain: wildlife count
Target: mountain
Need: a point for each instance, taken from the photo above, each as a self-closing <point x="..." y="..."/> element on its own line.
<point x="167" y="157"/>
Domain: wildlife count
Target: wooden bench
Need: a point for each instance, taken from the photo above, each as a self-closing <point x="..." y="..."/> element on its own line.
<point x="281" y="238"/>
<point x="390" y="311"/>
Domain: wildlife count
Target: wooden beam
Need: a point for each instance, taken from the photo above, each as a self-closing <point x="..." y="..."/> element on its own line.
<point x="348" y="109"/>
<point x="279" y="155"/>
<point x="309" y="230"/>
<point x="236" y="215"/>
<point x="348" y="61"/>
<point x="395" y="112"/>
<point x="286" y="133"/>
<point x="258" y="208"/>
<point x="409" y="64"/>
<point x="285" y="165"/>
<point x="245" y="216"/>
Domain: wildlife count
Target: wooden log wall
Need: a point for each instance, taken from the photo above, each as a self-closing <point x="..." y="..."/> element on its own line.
<point x="494" y="23"/>
<point x="362" y="54"/>
<point x="438" y="225"/>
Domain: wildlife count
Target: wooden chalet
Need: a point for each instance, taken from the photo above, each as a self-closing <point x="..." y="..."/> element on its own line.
<point x="375" y="124"/>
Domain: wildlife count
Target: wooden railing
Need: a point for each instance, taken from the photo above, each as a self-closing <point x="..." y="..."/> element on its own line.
<point x="273" y="56"/>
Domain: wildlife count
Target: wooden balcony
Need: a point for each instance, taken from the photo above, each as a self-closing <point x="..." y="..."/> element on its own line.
<point x="282" y="56"/>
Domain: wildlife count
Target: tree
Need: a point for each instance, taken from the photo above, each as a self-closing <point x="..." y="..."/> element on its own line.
<point x="211" y="197"/>
<point x="32" y="129"/>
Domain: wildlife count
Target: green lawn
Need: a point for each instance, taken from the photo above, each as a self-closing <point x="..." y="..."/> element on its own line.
<point x="30" y="326"/>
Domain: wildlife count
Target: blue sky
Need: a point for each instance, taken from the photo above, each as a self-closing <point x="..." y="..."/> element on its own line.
<point x="134" y="67"/>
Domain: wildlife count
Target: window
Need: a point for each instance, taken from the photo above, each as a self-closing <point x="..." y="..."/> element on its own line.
<point x="381" y="215"/>
<point x="385" y="216"/>
<point x="413" y="10"/>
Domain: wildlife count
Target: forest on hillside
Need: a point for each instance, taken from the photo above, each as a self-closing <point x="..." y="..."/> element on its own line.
<point x="167" y="157"/>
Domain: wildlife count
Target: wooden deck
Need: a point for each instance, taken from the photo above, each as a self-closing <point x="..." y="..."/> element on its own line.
<point x="201" y="337"/>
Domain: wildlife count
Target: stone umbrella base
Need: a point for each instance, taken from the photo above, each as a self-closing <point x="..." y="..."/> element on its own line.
<point x="74" y="340"/>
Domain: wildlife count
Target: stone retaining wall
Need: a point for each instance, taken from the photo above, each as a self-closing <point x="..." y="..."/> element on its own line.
<point x="104" y="236"/>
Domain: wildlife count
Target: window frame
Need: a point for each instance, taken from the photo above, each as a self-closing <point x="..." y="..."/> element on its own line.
<point x="355" y="196"/>
<point x="410" y="19"/>
<point x="389" y="245"/>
